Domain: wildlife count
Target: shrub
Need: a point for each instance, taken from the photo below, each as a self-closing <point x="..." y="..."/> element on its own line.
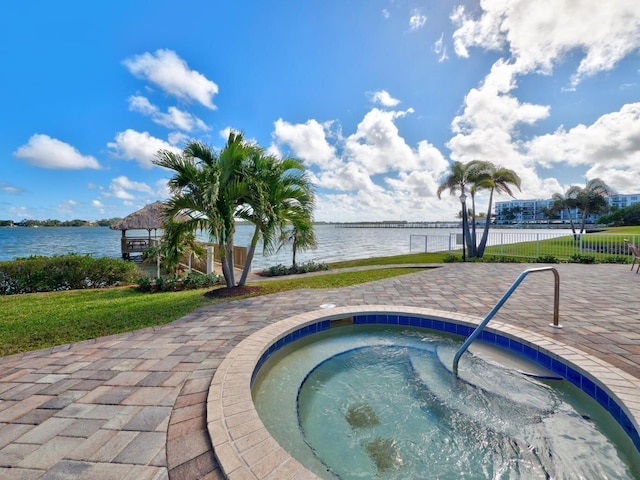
<point x="173" y="283"/>
<point x="279" y="270"/>
<point x="500" y="259"/>
<point x="546" y="259"/>
<point x="577" y="258"/>
<point x="144" y="284"/>
<point x="197" y="280"/>
<point x="451" y="258"/>
<point x="64" y="272"/>
<point x="615" y="259"/>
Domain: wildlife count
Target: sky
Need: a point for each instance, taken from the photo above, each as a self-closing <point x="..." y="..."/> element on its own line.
<point x="376" y="97"/>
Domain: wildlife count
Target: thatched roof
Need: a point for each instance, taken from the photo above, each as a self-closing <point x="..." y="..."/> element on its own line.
<point x="150" y="217"/>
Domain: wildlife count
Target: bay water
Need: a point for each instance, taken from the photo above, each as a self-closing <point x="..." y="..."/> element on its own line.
<point x="334" y="244"/>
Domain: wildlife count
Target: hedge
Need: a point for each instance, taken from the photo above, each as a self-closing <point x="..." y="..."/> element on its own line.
<point x="65" y="272"/>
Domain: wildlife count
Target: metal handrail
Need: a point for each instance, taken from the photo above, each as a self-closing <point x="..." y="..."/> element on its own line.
<point x="494" y="310"/>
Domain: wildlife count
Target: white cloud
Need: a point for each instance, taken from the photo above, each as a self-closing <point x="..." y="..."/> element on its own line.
<point x="610" y="147"/>
<point x="348" y="177"/>
<point x="46" y="152"/>
<point x="97" y="204"/>
<point x="308" y="142"/>
<point x="121" y="188"/>
<point x="378" y="146"/>
<point x="384" y="98"/>
<point x="440" y="49"/>
<point x="8" y="188"/>
<point x="491" y="106"/>
<point x="347" y="167"/>
<point x="162" y="188"/>
<point x="386" y="13"/>
<point x="171" y="73"/>
<point x="176" y="138"/>
<point x="175" y="118"/>
<point x="417" y="20"/>
<point x="139" y="146"/>
<point x="540" y="33"/>
<point x="67" y="207"/>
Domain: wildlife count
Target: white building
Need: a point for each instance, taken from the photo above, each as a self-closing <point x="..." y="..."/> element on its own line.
<point x="536" y="211"/>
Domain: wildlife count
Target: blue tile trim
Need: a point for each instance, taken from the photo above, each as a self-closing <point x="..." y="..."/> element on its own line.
<point x="576" y="378"/>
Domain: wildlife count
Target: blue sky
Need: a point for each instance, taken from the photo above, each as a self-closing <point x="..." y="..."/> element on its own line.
<point x="377" y="97"/>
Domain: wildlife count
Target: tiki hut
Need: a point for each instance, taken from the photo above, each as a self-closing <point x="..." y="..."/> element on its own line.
<point x="150" y="217"/>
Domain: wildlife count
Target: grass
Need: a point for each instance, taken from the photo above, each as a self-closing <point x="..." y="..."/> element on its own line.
<point x="41" y="320"/>
<point x="437" y="257"/>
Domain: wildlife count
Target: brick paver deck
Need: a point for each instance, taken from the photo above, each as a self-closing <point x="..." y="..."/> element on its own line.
<point x="133" y="406"/>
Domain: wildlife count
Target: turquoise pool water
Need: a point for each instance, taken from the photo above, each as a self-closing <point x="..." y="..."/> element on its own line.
<point x="381" y="402"/>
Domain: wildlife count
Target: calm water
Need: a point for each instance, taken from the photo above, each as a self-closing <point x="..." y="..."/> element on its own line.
<point x="334" y="244"/>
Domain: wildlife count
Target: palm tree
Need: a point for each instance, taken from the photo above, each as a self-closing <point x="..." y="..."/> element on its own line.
<point x="460" y="178"/>
<point x="590" y="199"/>
<point x="278" y="190"/>
<point x="206" y="190"/>
<point x="175" y="245"/>
<point x="564" y="202"/>
<point x="301" y="234"/>
<point x="499" y="180"/>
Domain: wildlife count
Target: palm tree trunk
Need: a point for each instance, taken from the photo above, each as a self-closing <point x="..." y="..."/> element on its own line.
<point x="485" y="233"/>
<point x="467" y="234"/>
<point x="250" y="253"/>
<point x="294" y="255"/>
<point x="584" y="222"/>
<point x="230" y="268"/>
<point x="573" y="227"/>
<point x="225" y="271"/>
<point x="473" y="248"/>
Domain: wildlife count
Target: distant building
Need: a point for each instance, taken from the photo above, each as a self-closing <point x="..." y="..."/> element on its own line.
<point x="537" y="211"/>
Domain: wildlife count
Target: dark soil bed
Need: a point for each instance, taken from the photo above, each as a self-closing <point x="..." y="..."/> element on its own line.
<point x="233" y="292"/>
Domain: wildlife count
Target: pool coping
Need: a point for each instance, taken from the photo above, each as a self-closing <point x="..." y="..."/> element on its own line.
<point x="245" y="449"/>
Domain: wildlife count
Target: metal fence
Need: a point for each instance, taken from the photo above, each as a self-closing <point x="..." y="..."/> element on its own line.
<point x="603" y="247"/>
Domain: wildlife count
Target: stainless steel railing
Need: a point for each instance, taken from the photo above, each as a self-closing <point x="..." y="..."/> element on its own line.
<point x="494" y="310"/>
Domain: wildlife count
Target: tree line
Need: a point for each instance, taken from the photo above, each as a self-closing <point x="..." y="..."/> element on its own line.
<point x="59" y="223"/>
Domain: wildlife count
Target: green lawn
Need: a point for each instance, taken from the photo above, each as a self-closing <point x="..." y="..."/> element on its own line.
<point x="40" y="320"/>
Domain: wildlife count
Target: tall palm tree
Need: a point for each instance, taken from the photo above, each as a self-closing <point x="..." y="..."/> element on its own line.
<point x="565" y="202"/>
<point x="279" y="189"/>
<point x="460" y="178"/>
<point x="590" y="199"/>
<point x="206" y="189"/>
<point x="498" y="180"/>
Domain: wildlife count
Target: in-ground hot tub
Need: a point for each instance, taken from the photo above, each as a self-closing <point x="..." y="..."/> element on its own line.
<point x="244" y="446"/>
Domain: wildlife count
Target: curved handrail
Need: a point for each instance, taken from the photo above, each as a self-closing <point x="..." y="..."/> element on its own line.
<point x="494" y="310"/>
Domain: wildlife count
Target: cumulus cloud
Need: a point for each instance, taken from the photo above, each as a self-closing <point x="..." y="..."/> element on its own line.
<point x="174" y="118"/>
<point x="308" y="142"/>
<point x="139" y="146"/>
<point x="46" y="152"/>
<point x="610" y="147"/>
<point x="384" y="98"/>
<point x="378" y="146"/>
<point x="171" y="73"/>
<point x="122" y="187"/>
<point x="368" y="175"/>
<point x="540" y="33"/>
<point x="417" y="20"/>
